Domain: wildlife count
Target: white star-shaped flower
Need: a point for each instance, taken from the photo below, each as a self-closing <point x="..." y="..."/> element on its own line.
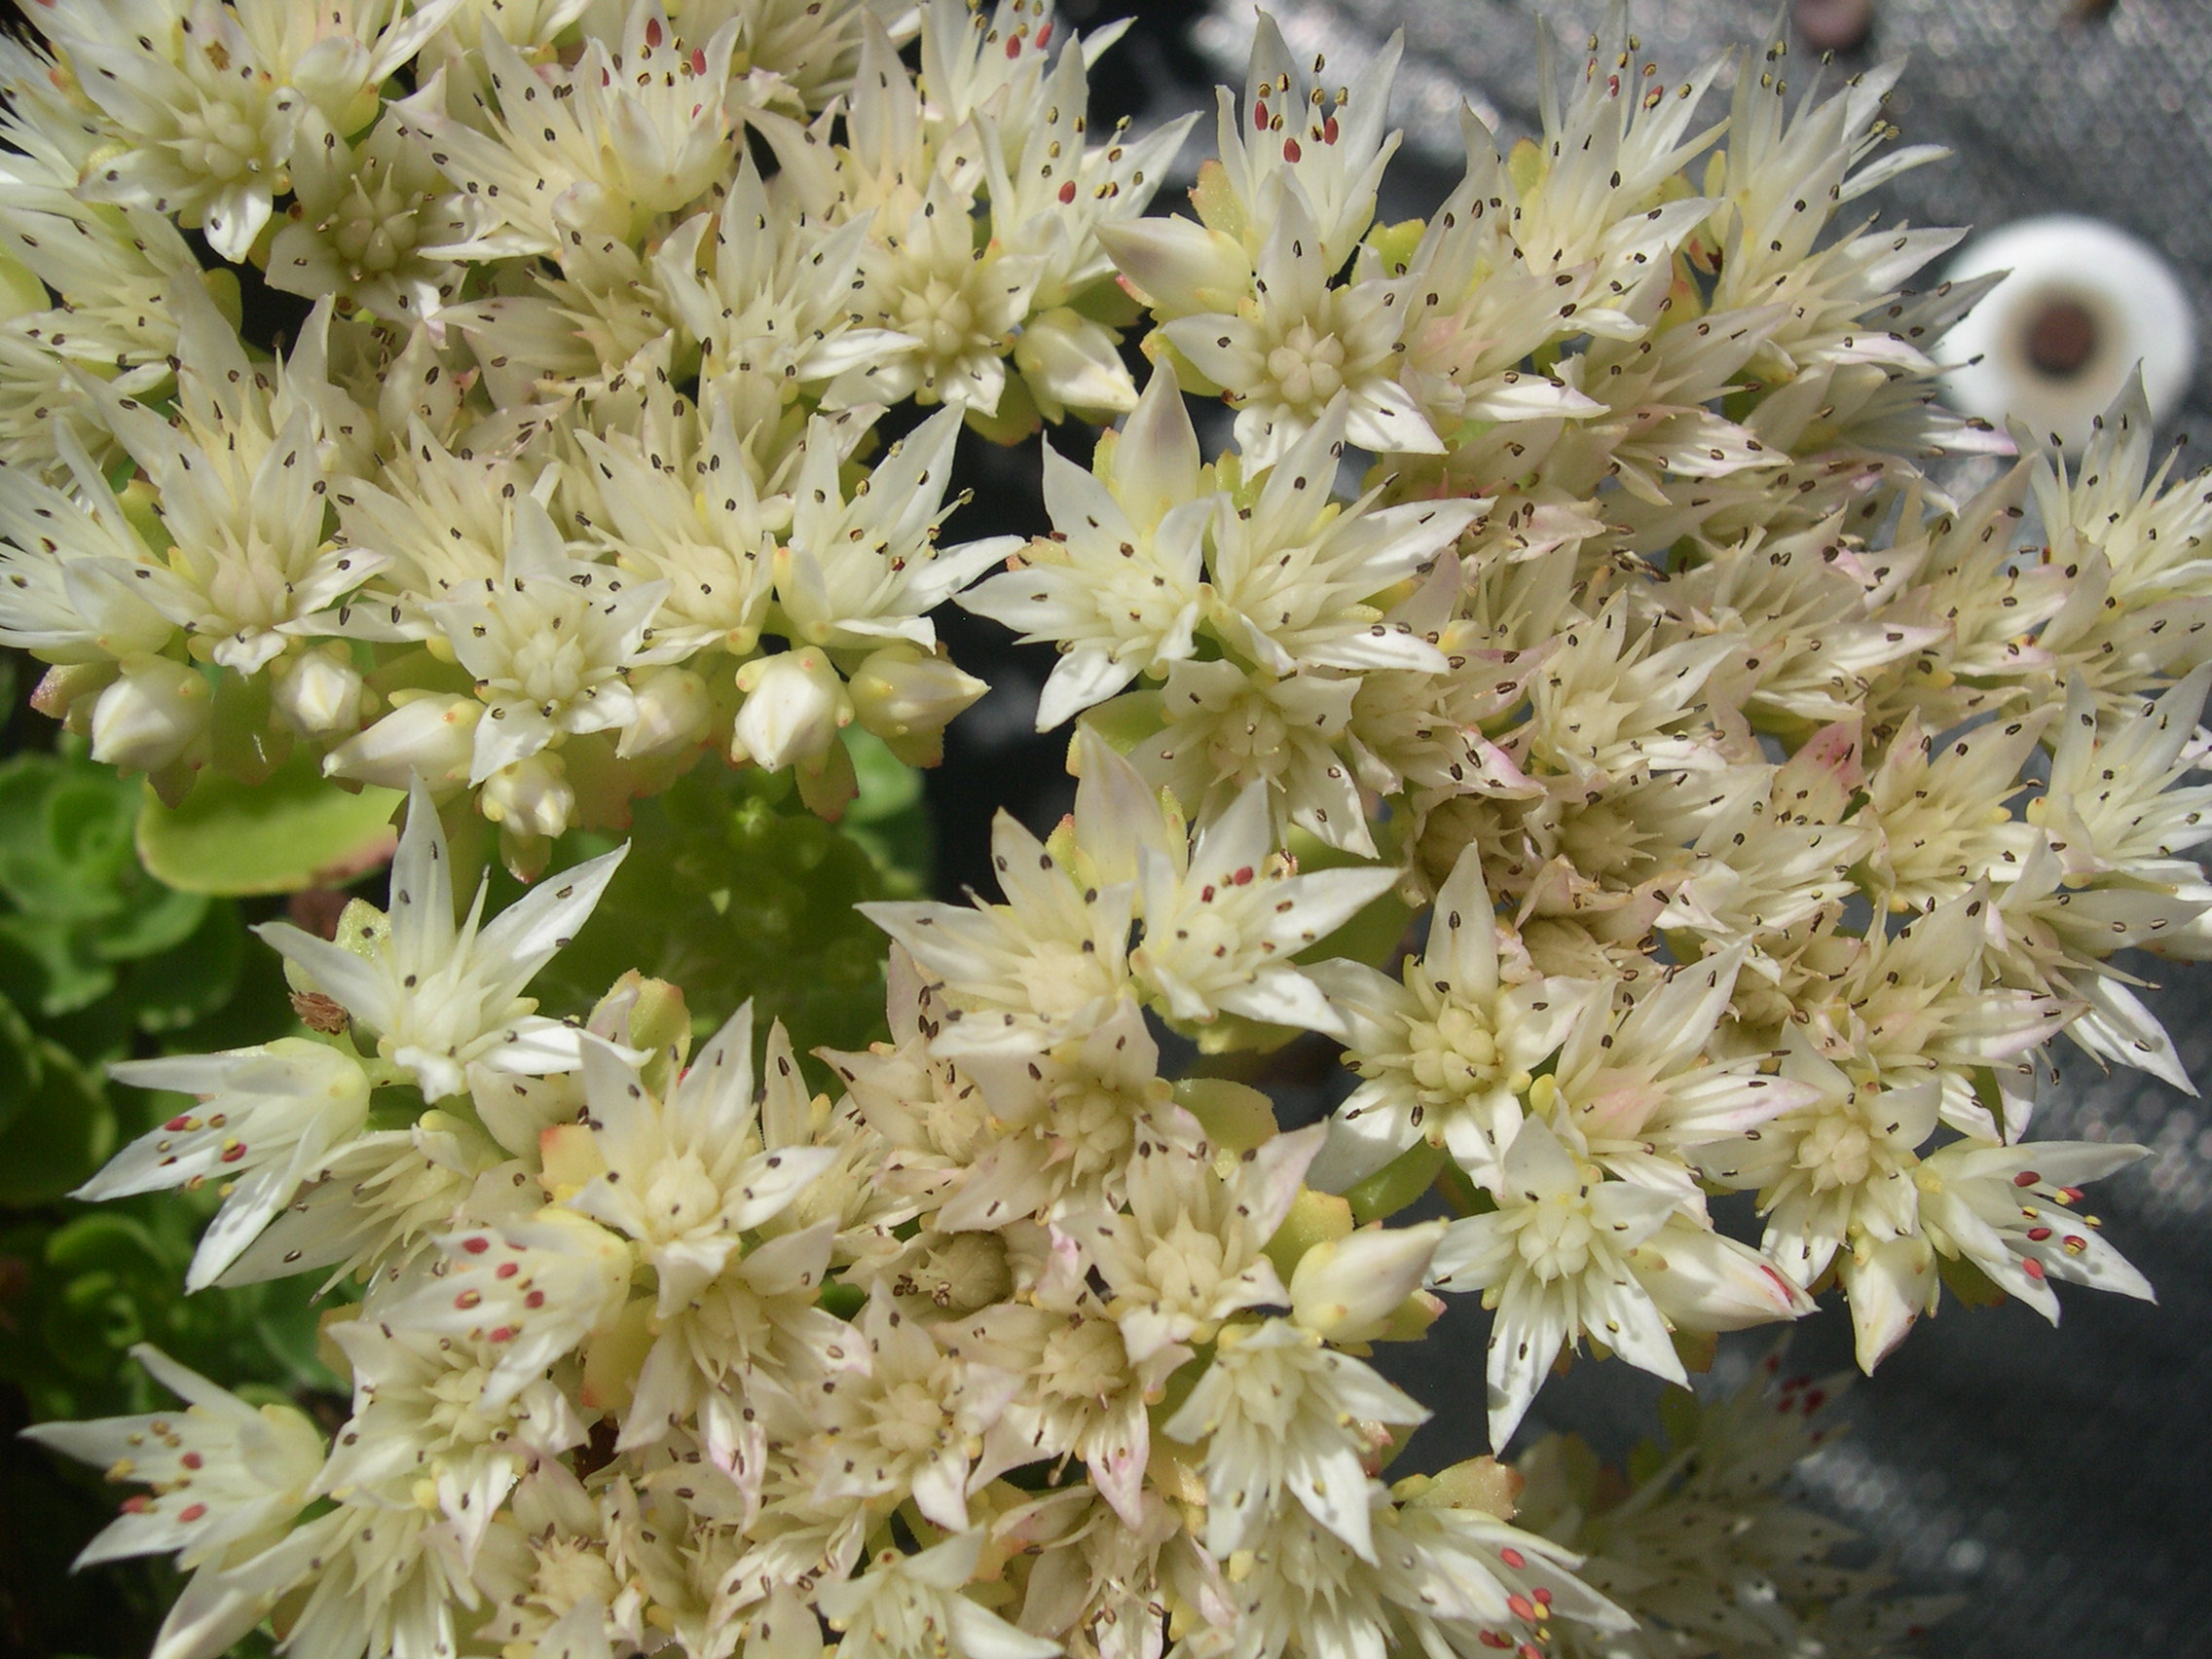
<point x="440" y="997"/>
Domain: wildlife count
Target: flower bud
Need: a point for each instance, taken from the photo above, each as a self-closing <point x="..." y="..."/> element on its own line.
<point x="150" y="717"/>
<point x="319" y="694"/>
<point x="1346" y="1290"/>
<point x="531" y="797"/>
<point x="794" y="706"/>
<point x="1072" y="362"/>
<point x="70" y="691"/>
<point x="902" y="693"/>
<point x="430" y="735"/>
<point x="673" y="711"/>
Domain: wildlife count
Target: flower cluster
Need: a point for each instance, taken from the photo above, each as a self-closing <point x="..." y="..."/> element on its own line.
<point x="1005" y="1350"/>
<point x="571" y="472"/>
<point x="1772" y="811"/>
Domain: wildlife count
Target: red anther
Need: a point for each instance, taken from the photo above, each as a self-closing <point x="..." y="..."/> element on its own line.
<point x="1814" y="1400"/>
<point x="1513" y="1558"/>
<point x="1244" y="877"/>
<point x="232" y="1153"/>
<point x="1543" y="1596"/>
<point x="1290" y="150"/>
<point x="1043" y="37"/>
<point x="1014" y="46"/>
<point x="698" y="60"/>
<point x="137" y="1503"/>
<point x="192" y="1459"/>
<point x="2072" y="1195"/>
<point x="535" y="1299"/>
<point x="1521" y="1607"/>
<point x="2075" y="1242"/>
<point x="1259" y="115"/>
<point x="1067" y="191"/>
<point x="652" y="31"/>
<point x="504" y="1334"/>
<point x="1529" y="1650"/>
<point x="507" y="1270"/>
<point x="476" y="1246"/>
<point x="1491" y="1639"/>
<point x="2026" y="1178"/>
<point x="1205" y="894"/>
<point x="1795" y="1383"/>
<point x="1329" y="130"/>
<point x="2037" y="1234"/>
<point x="467" y="1299"/>
<point x="191" y="1512"/>
<point x="2033" y="1269"/>
<point x="1612" y="86"/>
<point x="179" y="1124"/>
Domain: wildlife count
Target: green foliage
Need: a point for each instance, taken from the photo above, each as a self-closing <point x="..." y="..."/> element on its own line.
<point x="732" y="890"/>
<point x="119" y="936"/>
<point x="101" y="961"/>
<point x="77" y="906"/>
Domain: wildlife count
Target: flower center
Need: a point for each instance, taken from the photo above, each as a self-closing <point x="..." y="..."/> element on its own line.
<point x="1839" y="1150"/>
<point x="910" y="1422"/>
<point x="941" y="316"/>
<point x="1554" y="1239"/>
<point x="375" y="229"/>
<point x="1307" y="367"/>
<point x="1454" y="1056"/>
<point x="218" y="142"/>
<point x="682" y="1194"/>
<point x="546" y="662"/>
<point x="1082" y="1361"/>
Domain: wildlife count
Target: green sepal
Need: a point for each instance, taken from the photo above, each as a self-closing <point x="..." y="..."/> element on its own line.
<point x="1969" y="1283"/>
<point x="1397" y="1184"/>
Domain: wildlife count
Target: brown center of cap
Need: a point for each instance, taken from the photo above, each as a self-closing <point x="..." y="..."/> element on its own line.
<point x="1833" y="25"/>
<point x="2062" y="337"/>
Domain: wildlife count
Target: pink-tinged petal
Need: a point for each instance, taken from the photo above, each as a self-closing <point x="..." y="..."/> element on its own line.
<point x="1704" y="1282"/>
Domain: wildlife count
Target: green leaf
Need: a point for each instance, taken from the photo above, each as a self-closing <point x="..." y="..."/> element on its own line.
<point x="76" y="903"/>
<point x="296" y="830"/>
<point x="889" y="817"/>
<point x="734" y="891"/>
<point x="61" y="1133"/>
<point x="176" y="987"/>
<point x="19" y="1062"/>
<point x="64" y="836"/>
